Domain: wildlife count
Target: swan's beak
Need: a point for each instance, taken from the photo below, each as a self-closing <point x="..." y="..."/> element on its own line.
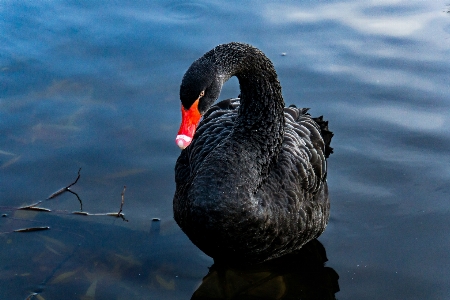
<point x="189" y="121"/>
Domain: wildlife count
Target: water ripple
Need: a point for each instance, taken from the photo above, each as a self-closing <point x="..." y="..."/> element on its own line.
<point x="186" y="10"/>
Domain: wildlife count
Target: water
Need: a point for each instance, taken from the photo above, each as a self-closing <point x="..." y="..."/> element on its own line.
<point x="94" y="84"/>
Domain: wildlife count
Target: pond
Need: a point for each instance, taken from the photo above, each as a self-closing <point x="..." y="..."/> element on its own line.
<point x="94" y="85"/>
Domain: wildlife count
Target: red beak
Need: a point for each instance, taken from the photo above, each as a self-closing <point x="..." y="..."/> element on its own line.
<point x="189" y="121"/>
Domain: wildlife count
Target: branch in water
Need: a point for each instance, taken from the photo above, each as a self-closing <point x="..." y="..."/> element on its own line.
<point x="118" y="214"/>
<point x="30" y="229"/>
<point x="123" y="199"/>
<point x="67" y="189"/>
<point x="34" y="207"/>
<point x="81" y="203"/>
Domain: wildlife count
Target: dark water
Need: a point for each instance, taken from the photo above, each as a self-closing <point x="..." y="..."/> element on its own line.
<point x="94" y="84"/>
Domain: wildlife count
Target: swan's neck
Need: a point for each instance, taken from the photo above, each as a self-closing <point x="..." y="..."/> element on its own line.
<point x="233" y="171"/>
<point x="260" y="124"/>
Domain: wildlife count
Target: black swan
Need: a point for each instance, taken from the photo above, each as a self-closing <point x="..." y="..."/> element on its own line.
<point x="251" y="180"/>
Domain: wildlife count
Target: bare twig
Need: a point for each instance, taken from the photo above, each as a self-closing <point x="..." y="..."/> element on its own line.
<point x="67" y="189"/>
<point x="83" y="213"/>
<point x="33" y="207"/>
<point x="30" y="229"/>
<point x="76" y="180"/>
<point x="120" y="214"/>
<point x="117" y="214"/>
<point x="81" y="202"/>
<point x="64" y="189"/>
<point x="57" y="193"/>
<point x="123" y="199"/>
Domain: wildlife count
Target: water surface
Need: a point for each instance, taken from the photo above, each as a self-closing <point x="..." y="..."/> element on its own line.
<point x="94" y="84"/>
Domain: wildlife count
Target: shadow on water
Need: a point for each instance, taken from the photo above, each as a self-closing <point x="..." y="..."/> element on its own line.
<point x="296" y="276"/>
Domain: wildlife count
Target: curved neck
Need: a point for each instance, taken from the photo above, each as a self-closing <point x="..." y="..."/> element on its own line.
<point x="260" y="124"/>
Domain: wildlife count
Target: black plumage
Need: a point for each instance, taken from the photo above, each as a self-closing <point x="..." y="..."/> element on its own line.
<point x="252" y="184"/>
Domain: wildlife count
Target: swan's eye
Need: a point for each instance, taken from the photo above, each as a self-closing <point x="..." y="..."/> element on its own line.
<point x="202" y="93"/>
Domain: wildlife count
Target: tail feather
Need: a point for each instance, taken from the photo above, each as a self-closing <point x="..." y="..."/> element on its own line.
<point x="327" y="135"/>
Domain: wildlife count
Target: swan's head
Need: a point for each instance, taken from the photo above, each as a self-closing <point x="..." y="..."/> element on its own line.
<point x="199" y="89"/>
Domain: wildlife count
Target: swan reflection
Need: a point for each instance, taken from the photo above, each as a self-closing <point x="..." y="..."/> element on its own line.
<point x="302" y="275"/>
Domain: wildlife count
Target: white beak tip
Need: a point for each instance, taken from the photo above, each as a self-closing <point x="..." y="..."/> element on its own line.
<point x="183" y="141"/>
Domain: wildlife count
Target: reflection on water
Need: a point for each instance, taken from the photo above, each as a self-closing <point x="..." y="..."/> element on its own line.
<point x="295" y="276"/>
